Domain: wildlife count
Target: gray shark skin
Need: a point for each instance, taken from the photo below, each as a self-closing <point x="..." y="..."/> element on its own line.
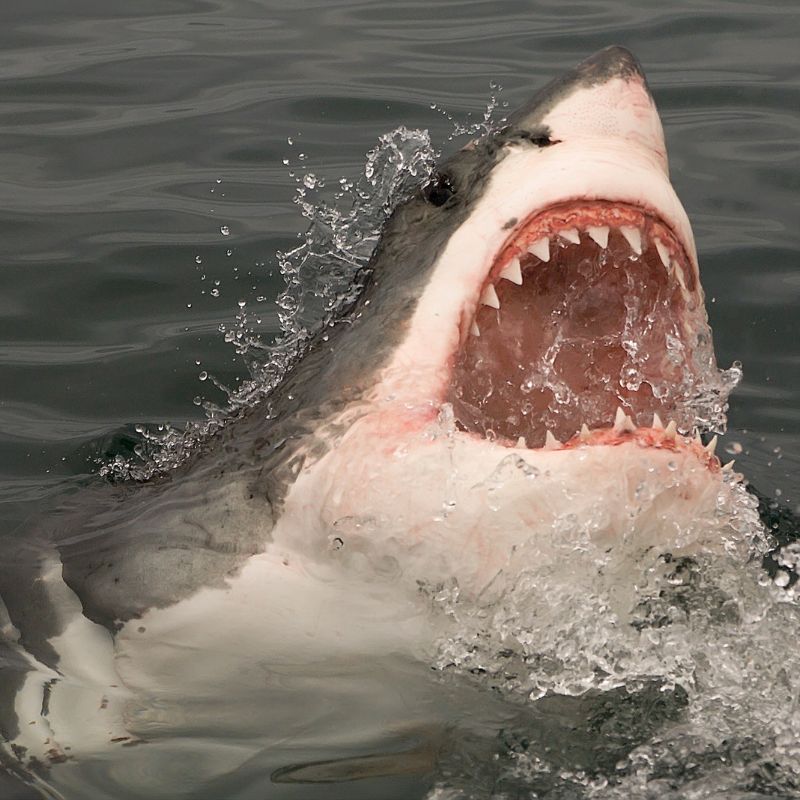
<point x="197" y="607"/>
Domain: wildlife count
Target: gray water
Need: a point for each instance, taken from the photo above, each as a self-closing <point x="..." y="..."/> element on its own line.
<point x="131" y="133"/>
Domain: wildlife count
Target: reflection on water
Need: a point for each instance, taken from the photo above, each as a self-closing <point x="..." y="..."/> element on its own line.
<point x="132" y="135"/>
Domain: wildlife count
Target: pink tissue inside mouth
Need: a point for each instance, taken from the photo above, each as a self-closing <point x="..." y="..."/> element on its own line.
<point x="592" y="329"/>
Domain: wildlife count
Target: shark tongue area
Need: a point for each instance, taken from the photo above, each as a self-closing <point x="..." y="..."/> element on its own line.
<point x="576" y="322"/>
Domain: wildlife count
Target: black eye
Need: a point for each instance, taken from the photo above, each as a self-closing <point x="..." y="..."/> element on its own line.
<point x="541" y="141"/>
<point x="438" y="190"/>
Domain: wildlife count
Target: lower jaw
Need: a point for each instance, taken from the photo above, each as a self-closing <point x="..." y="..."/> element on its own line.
<point x="623" y="432"/>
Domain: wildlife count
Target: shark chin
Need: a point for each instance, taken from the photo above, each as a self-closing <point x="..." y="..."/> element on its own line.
<point x="519" y="394"/>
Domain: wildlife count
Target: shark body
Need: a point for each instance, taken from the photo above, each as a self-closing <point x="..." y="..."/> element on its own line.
<point x="521" y="367"/>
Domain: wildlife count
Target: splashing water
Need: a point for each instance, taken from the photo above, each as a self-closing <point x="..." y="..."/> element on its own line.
<point x="323" y="276"/>
<point x="675" y="674"/>
<point x="470" y="127"/>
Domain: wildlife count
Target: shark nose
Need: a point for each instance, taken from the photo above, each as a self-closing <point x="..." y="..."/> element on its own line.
<point x="610" y="62"/>
<point x="604" y="99"/>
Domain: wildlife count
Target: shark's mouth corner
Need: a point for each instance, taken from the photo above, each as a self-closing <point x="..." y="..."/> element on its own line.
<point x="589" y="307"/>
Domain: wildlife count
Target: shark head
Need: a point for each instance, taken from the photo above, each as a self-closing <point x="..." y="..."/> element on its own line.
<point x="536" y="309"/>
<point x="561" y="281"/>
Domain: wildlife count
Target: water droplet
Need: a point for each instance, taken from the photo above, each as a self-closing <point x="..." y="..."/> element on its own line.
<point x="225" y="230"/>
<point x="781" y="578"/>
<point x="203" y="376"/>
<point x="198" y="260"/>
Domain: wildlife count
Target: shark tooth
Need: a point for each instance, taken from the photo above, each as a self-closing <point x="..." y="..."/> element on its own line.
<point x="489" y="297"/>
<point x="622" y="422"/>
<point x="633" y="236"/>
<point x="521" y="442"/>
<point x="512" y="272"/>
<point x="540" y="248"/>
<point x="729" y="466"/>
<point x="671" y="430"/>
<point x="571" y="235"/>
<point x="681" y="280"/>
<point x="697" y="439"/>
<point x="711" y="447"/>
<point x="550" y="442"/>
<point x="657" y="423"/>
<point x="585" y="433"/>
<point x="474" y="329"/>
<point x="598" y="234"/>
<point x="663" y="252"/>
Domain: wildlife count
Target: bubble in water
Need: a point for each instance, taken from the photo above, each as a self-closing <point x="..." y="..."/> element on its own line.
<point x="781" y="578"/>
<point x="225" y="230"/>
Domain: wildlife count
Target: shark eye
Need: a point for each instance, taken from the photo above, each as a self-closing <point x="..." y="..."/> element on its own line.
<point x="438" y="190"/>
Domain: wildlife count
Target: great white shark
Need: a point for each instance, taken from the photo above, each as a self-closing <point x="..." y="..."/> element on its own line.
<point x="527" y="359"/>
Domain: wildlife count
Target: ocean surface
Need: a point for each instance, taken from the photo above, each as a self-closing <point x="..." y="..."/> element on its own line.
<point x="144" y="194"/>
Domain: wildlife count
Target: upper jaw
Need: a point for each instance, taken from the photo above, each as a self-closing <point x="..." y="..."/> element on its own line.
<point x="574" y="221"/>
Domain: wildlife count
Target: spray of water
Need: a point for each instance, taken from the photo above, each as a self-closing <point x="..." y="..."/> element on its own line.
<point x="323" y="275"/>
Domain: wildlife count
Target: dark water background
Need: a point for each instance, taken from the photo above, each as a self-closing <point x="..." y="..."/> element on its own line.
<point x="131" y="132"/>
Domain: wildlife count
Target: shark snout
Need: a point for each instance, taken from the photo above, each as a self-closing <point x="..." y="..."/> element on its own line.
<point x="605" y="99"/>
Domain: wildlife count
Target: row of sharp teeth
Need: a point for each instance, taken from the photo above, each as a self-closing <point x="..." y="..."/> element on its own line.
<point x="624" y="424"/>
<point x="512" y="271"/>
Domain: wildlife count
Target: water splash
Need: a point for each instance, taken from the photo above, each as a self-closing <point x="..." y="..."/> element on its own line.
<point x="324" y="274"/>
<point x="471" y="127"/>
<point x="680" y="669"/>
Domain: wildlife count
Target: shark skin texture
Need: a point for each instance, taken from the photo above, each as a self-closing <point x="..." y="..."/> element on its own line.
<point x="530" y="336"/>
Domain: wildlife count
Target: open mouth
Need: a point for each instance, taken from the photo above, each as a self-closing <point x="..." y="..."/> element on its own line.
<point x="588" y="308"/>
